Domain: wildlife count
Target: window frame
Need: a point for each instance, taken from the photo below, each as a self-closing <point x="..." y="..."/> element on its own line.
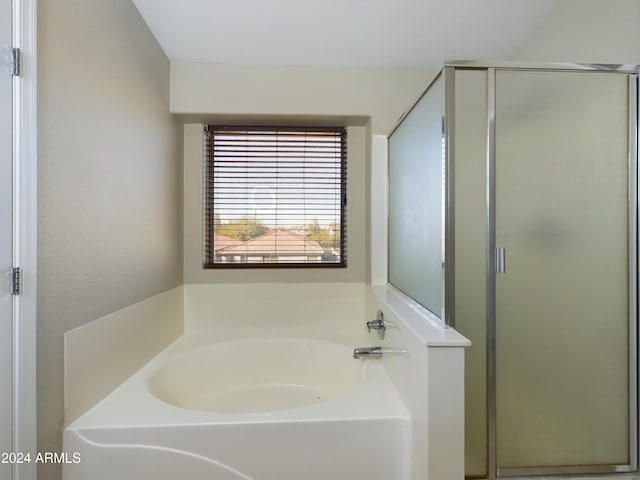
<point x="208" y="198"/>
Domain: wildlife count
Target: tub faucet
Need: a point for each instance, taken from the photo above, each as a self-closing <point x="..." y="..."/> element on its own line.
<point x="375" y="352"/>
<point x="379" y="324"/>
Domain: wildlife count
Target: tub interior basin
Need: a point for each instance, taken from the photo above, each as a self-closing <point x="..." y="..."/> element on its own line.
<point x="258" y="375"/>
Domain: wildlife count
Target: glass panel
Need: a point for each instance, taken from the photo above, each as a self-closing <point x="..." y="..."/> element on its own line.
<point x="562" y="306"/>
<point x="470" y="254"/>
<point x="416" y="189"/>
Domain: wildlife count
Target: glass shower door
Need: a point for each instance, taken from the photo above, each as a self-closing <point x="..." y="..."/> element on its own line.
<point x="562" y="311"/>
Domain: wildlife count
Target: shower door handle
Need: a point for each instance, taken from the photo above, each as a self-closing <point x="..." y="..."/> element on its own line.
<point x="501" y="260"/>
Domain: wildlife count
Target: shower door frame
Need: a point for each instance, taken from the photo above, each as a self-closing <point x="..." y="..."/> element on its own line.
<point x="634" y="108"/>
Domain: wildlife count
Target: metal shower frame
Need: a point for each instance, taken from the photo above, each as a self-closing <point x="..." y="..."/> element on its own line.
<point x="448" y="72"/>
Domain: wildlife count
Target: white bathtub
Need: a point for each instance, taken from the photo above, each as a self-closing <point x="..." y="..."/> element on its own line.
<point x="261" y="409"/>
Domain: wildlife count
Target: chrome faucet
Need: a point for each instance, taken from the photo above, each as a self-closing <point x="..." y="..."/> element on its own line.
<point x="375" y="352"/>
<point x="372" y="352"/>
<point x="379" y="324"/>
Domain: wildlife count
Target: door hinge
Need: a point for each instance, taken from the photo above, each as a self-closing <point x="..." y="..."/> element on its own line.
<point x="16" y="281"/>
<point x="16" y="62"/>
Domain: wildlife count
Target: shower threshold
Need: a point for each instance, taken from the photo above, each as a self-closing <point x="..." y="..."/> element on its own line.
<point x="612" y="476"/>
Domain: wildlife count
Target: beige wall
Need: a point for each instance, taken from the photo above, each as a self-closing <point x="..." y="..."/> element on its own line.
<point x="586" y="31"/>
<point x="381" y="94"/>
<point x="369" y="100"/>
<point x="109" y="180"/>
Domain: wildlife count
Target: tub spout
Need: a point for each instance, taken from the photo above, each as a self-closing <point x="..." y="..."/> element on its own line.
<point x="375" y="352"/>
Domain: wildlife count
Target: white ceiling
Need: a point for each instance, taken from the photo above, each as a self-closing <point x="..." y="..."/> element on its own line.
<point x="341" y="33"/>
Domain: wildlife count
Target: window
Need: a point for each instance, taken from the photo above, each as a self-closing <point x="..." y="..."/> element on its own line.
<point x="275" y="197"/>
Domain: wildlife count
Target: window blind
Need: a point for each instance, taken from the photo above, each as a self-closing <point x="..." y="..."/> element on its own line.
<point x="275" y="196"/>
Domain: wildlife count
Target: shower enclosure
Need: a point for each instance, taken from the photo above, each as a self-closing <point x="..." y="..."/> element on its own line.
<point x="532" y="234"/>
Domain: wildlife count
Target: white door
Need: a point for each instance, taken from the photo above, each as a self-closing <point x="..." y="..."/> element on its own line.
<point x="6" y="235"/>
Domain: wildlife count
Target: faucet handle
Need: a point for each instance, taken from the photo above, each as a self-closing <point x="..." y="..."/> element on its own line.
<point x="379" y="324"/>
<point x="374" y="325"/>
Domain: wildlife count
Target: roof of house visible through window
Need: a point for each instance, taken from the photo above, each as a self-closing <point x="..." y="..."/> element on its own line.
<point x="275" y="243"/>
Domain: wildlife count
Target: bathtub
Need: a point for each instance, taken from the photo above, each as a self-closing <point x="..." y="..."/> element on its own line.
<point x="253" y="409"/>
